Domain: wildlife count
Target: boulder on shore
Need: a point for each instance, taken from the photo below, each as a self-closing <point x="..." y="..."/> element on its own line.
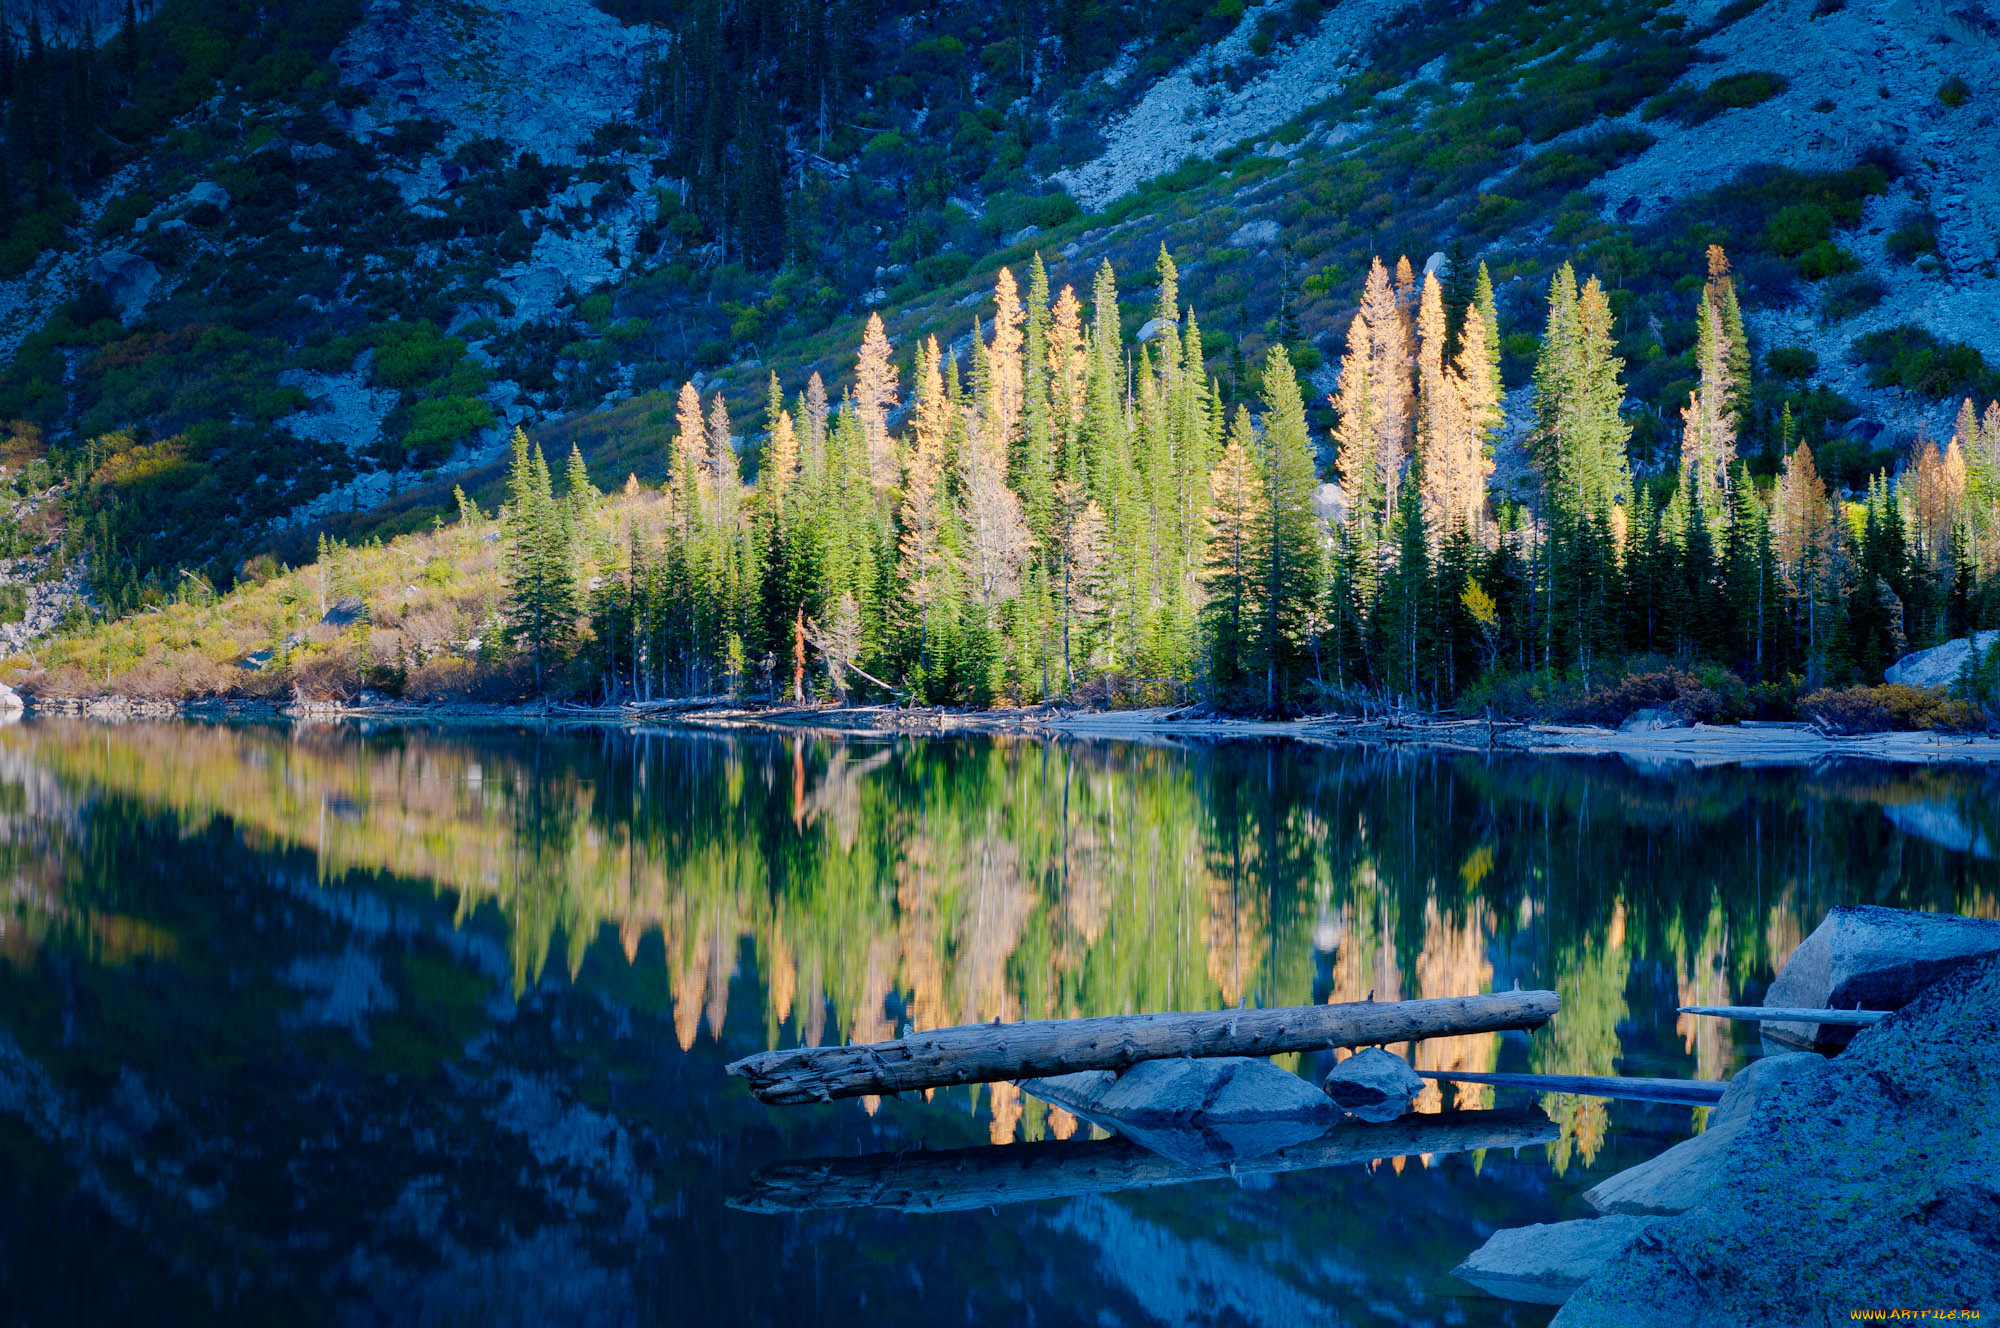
<point x="1543" y="1264"/>
<point x="1869" y="1181"/>
<point x="1941" y="665"/>
<point x="10" y="701"/>
<point x="1373" y="1085"/>
<point x="1645" y="721"/>
<point x="1869" y="958"/>
<point x="1204" y="1112"/>
<point x="1675" y="1180"/>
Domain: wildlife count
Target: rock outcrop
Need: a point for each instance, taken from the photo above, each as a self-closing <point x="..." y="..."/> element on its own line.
<point x="1941" y="665"/>
<point x="1869" y="958"/>
<point x="1677" y="1179"/>
<point x="1190" y="113"/>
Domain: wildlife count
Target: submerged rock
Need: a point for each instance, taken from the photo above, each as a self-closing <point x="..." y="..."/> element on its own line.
<point x="1203" y="1112"/>
<point x="1373" y="1085"/>
<point x="1545" y="1264"/>
<point x="1869" y="958"/>
<point x="1675" y="1181"/>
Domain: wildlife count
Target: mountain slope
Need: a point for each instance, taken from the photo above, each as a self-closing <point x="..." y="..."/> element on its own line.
<point x="325" y="290"/>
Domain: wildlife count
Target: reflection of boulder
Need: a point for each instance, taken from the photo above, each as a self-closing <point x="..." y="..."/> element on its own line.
<point x="128" y="279"/>
<point x="1942" y="825"/>
<point x="1202" y="1112"/>
<point x="1674" y="1180"/>
<point x="1869" y="958"/>
<point x="1543" y="1264"/>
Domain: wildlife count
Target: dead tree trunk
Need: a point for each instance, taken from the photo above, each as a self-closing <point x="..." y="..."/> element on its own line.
<point x="983" y="1053"/>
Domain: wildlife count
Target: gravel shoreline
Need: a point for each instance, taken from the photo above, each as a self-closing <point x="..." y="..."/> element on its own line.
<point x="1697" y="746"/>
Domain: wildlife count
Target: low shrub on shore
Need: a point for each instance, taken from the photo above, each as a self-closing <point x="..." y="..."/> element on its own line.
<point x="1890" y="707"/>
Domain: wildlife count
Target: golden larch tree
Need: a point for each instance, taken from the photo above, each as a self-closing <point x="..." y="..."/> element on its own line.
<point x="874" y="398"/>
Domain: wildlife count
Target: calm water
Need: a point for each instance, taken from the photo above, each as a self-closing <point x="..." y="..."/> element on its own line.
<point x="324" y="1025"/>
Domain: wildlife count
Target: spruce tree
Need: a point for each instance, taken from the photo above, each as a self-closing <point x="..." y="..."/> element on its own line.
<point x="1294" y="574"/>
<point x="542" y="603"/>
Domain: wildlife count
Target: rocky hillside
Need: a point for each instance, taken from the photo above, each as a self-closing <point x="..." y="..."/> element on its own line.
<point x="310" y="272"/>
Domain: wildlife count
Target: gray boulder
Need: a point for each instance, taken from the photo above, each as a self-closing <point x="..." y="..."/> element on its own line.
<point x="10" y="701"/>
<point x="209" y="194"/>
<point x="1869" y="958"/>
<point x="1941" y="665"/>
<point x="1645" y="721"/>
<point x="128" y="279"/>
<point x="1543" y="1264"/>
<point x="1373" y="1085"/>
<point x="1675" y="1180"/>
<point x="1255" y="234"/>
<point x="345" y="612"/>
<point x="1203" y="1112"/>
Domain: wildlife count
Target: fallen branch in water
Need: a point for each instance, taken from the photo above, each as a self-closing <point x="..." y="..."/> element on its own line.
<point x="1785" y="1014"/>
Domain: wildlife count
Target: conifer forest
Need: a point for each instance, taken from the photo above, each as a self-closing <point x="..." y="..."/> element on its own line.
<point x="1069" y="511"/>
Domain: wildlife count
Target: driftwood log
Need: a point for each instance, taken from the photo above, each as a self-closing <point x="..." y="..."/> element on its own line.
<point x="1788" y="1014"/>
<point x="973" y="1178"/>
<point x="984" y="1053"/>
<point x="1685" y="1092"/>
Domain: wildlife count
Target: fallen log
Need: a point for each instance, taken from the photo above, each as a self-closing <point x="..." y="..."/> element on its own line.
<point x="984" y="1053"/>
<point x="1786" y="1014"/>
<point x="973" y="1178"/>
<point x="1684" y="1092"/>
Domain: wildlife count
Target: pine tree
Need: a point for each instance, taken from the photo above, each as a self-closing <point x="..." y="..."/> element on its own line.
<point x="542" y="601"/>
<point x="1454" y="403"/>
<point x="779" y="472"/>
<point x="1579" y="436"/>
<point x="1294" y="572"/>
<point x="1720" y="293"/>
<point x="1708" y="436"/>
<point x="1238" y="532"/>
<point x="926" y="557"/>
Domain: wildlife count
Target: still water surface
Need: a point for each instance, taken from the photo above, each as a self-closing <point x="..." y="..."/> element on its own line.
<point x="412" y="1025"/>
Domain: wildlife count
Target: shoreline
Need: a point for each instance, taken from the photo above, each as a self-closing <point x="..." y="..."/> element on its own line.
<point x="1694" y="746"/>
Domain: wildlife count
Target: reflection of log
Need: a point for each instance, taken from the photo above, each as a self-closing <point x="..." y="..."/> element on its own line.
<point x="971" y="1178"/>
<point x="1685" y="1092"/>
<point x="1790" y="1014"/>
<point x="982" y="1053"/>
